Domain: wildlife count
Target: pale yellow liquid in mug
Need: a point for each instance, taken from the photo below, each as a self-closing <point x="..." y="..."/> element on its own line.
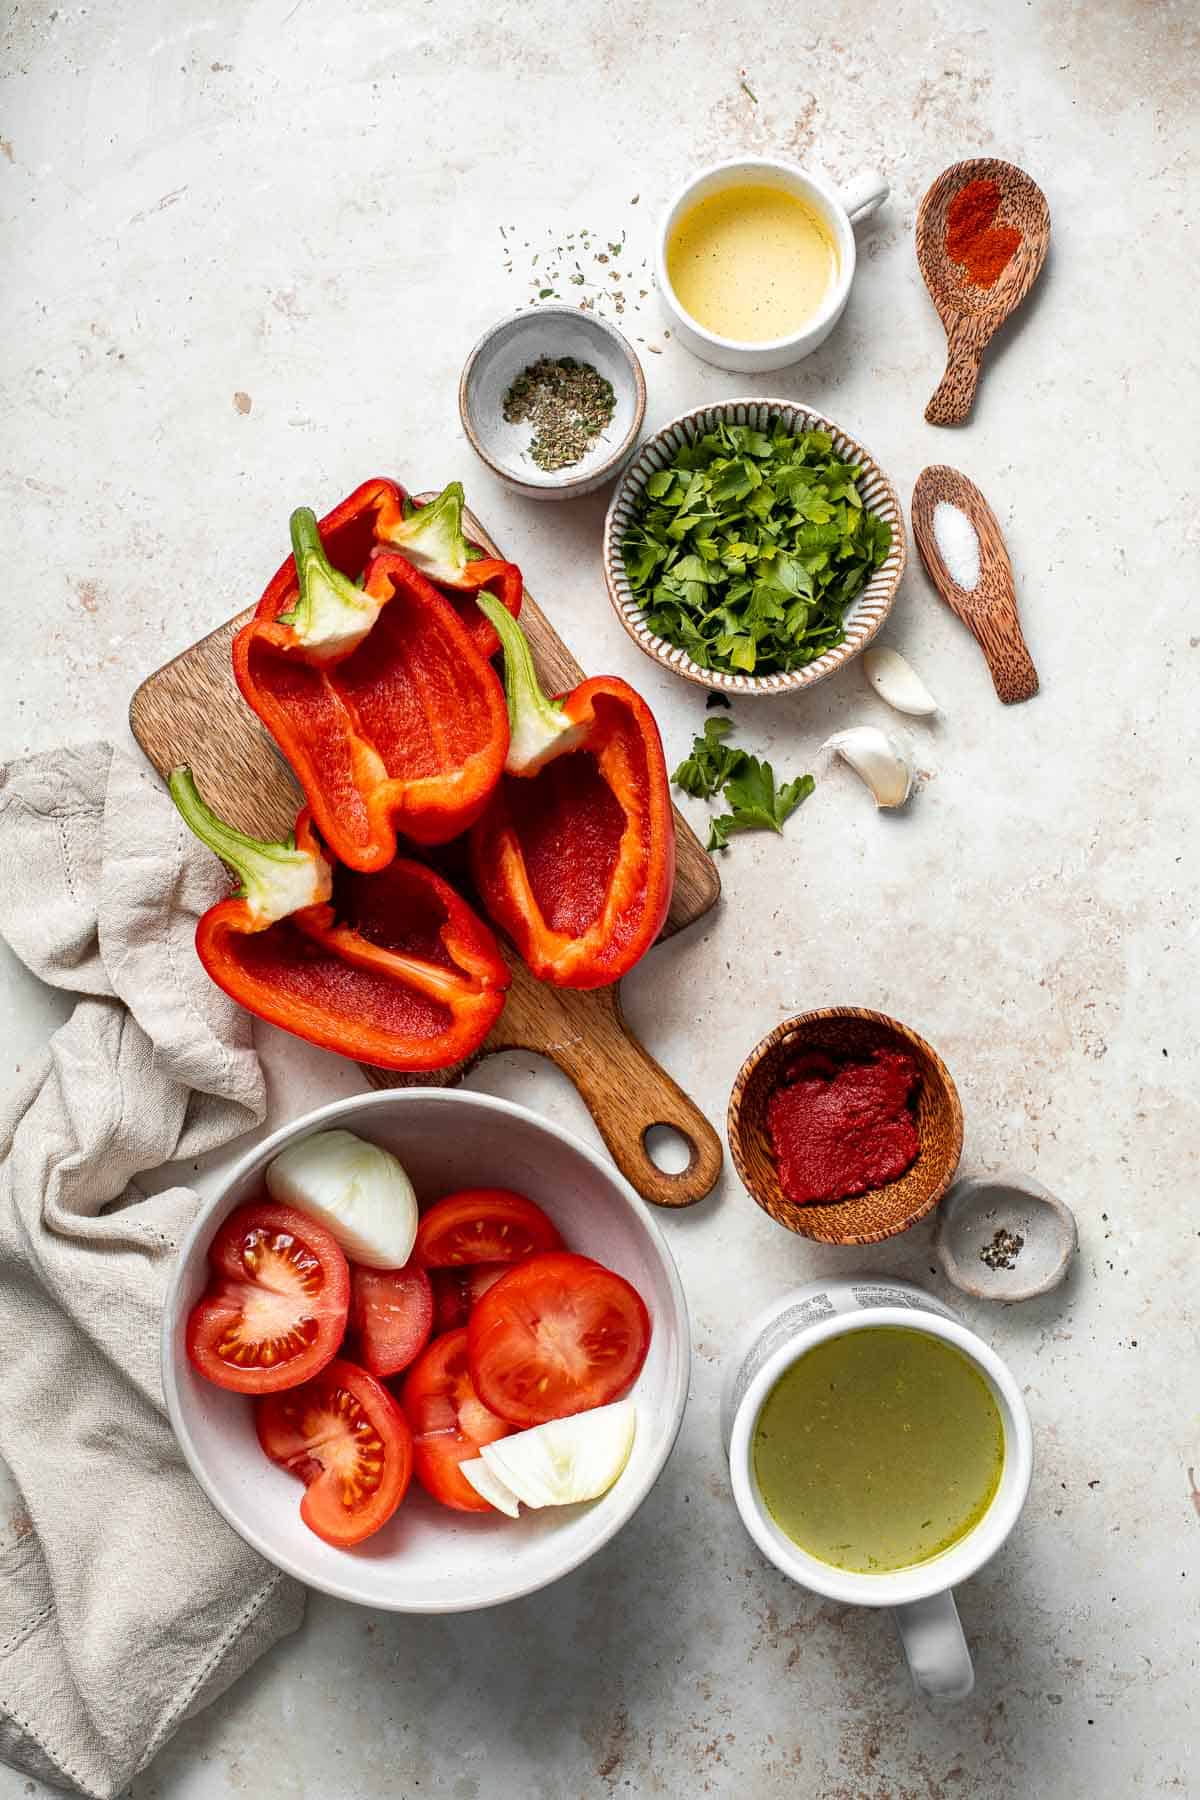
<point x="752" y="262"/>
<point x="879" y="1449"/>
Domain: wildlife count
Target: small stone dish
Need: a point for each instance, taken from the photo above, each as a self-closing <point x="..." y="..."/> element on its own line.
<point x="985" y="1210"/>
<point x="505" y="352"/>
<point x="846" y="1032"/>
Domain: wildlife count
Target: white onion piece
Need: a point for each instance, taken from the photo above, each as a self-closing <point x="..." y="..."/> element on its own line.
<point x="357" y="1190"/>
<point x="489" y="1487"/>
<point x="565" y="1460"/>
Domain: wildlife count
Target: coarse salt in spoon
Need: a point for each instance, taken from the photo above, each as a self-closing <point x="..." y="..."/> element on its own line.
<point x="971" y="313"/>
<point x="958" y="542"/>
<point x="962" y="548"/>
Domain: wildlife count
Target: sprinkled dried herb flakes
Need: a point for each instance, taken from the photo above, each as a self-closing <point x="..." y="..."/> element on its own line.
<point x="568" y="403"/>
<point x="581" y="265"/>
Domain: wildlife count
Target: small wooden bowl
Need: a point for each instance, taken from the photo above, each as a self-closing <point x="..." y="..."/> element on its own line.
<point x="881" y="1212"/>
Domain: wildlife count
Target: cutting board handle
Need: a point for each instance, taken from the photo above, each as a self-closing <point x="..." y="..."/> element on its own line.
<point x="627" y="1093"/>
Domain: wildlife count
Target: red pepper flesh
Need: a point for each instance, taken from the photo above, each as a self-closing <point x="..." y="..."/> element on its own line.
<point x="393" y="969"/>
<point x="488" y="574"/>
<point x="403" y="731"/>
<point x="575" y="854"/>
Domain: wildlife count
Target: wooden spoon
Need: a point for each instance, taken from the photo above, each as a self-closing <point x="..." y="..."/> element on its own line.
<point x="970" y="314"/>
<point x="989" y="609"/>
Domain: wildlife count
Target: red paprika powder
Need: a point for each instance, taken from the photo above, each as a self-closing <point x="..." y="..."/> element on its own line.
<point x="984" y="249"/>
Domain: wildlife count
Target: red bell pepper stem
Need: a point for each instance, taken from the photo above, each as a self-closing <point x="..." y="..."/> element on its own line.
<point x="330" y="616"/>
<point x="406" y="732"/>
<point x="574" y="855"/>
<point x="276" y="879"/>
<point x="407" y="977"/>
<point x="431" y="536"/>
<point x="538" y="728"/>
<point x="348" y="534"/>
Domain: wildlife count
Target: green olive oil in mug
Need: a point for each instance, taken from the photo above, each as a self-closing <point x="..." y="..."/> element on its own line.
<point x="752" y="262"/>
<point x="878" y="1449"/>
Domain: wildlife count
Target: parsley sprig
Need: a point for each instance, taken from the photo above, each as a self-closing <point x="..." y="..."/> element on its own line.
<point x="748" y="548"/>
<point x="711" y="762"/>
<point x="748" y="785"/>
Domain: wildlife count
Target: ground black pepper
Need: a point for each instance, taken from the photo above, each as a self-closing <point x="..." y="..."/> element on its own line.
<point x="1004" y="1249"/>
<point x="568" y="403"/>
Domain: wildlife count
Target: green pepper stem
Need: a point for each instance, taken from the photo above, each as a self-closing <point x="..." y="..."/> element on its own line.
<point x="538" y="727"/>
<point x="277" y="879"/>
<point x="431" y="537"/>
<point x="306" y="537"/>
<point x="331" y="615"/>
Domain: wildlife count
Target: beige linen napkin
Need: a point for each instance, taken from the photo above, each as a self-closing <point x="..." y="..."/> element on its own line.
<point x="126" y="1603"/>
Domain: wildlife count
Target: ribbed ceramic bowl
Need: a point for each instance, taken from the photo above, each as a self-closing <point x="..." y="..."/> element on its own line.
<point x="428" y="1559"/>
<point x="883" y="1212"/>
<point x="863" y="617"/>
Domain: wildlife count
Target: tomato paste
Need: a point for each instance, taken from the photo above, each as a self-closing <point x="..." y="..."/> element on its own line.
<point x="840" y="1128"/>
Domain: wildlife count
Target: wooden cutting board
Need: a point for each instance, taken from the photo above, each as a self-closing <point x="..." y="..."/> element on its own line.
<point x="191" y="712"/>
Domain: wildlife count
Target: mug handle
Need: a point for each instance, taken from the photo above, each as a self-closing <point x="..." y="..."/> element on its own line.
<point x="861" y="196"/>
<point x="931" y="1635"/>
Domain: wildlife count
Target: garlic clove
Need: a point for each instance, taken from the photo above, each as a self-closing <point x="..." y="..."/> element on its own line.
<point x="897" y="682"/>
<point x="877" y="759"/>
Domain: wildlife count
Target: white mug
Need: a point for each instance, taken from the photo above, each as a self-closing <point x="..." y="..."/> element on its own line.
<point x="840" y="211"/>
<point x="920" y="1596"/>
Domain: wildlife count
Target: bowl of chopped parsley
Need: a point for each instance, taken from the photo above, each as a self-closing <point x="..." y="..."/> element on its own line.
<point x="753" y="547"/>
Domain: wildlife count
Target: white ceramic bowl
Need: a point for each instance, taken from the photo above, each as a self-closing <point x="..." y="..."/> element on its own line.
<point x="863" y="617"/>
<point x="509" y="348"/>
<point x="840" y="210"/>
<point x="429" y="1558"/>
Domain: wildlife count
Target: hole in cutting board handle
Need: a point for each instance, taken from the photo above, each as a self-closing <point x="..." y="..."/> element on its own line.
<point x="669" y="1149"/>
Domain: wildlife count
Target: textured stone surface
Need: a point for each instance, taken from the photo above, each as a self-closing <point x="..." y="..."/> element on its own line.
<point x="248" y="246"/>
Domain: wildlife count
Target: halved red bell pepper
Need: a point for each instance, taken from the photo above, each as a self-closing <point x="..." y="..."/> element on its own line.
<point x="575" y="853"/>
<point x="393" y="969"/>
<point x="380" y="515"/>
<point x="378" y="698"/>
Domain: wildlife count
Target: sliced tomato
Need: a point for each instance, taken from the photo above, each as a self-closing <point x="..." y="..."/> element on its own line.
<point x="556" y="1335"/>
<point x="479" y="1225"/>
<point x="348" y="1441"/>
<point x="455" y="1292"/>
<point x="391" y="1313"/>
<point x="274" y="1311"/>
<point x="449" y="1422"/>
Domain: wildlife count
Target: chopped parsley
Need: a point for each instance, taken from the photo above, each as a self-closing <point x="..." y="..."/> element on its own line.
<point x="747" y="785"/>
<point x="748" y="548"/>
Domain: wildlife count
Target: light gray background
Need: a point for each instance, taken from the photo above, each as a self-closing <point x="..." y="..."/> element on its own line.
<point x="298" y="202"/>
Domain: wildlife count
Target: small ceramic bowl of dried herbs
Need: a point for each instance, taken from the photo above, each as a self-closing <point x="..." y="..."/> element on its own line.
<point x="753" y="547"/>
<point x="552" y="400"/>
